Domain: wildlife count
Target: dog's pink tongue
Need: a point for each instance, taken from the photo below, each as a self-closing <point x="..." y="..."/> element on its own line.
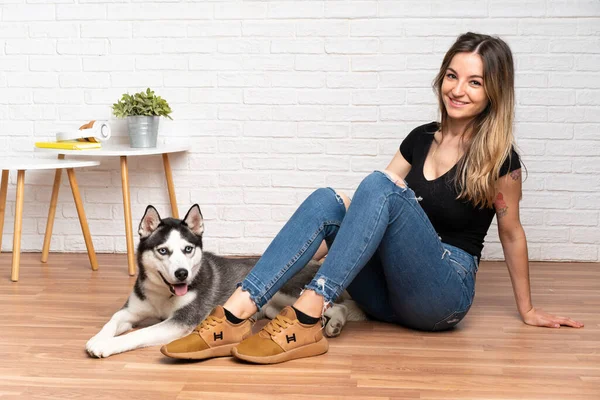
<point x="180" y="289"/>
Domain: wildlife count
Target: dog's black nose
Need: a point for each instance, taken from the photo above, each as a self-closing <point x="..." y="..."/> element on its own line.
<point x="181" y="274"/>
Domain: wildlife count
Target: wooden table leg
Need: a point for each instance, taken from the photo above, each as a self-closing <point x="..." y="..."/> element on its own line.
<point x="82" y="219"/>
<point x="52" y="212"/>
<point x="170" y="186"/>
<point x="16" y="256"/>
<point x="3" y="191"/>
<point x="127" y="212"/>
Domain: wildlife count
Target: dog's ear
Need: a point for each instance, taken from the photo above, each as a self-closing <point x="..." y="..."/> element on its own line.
<point x="149" y="223"/>
<point x="194" y="220"/>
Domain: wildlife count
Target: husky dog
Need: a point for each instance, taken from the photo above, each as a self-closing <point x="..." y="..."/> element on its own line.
<point x="179" y="284"/>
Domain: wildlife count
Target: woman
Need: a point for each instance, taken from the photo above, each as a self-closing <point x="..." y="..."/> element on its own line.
<point x="408" y="246"/>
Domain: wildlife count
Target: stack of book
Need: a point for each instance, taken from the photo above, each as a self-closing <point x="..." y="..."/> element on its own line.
<point x="88" y="136"/>
<point x="69" y="145"/>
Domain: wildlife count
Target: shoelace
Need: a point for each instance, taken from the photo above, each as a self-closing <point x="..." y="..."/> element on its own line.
<point x="276" y="325"/>
<point x="209" y="322"/>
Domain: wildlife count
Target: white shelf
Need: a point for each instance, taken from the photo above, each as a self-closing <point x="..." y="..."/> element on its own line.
<point x="112" y="150"/>
<point x="26" y="163"/>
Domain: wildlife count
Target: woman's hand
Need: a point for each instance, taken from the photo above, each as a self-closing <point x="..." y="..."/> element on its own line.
<point x="537" y="317"/>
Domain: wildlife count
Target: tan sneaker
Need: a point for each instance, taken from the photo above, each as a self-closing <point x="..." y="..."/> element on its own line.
<point x="282" y="339"/>
<point x="214" y="337"/>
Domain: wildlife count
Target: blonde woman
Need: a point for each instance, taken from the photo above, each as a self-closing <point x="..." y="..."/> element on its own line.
<point x="408" y="246"/>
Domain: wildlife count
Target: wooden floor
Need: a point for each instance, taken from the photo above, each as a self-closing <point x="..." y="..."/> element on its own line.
<point x="47" y="317"/>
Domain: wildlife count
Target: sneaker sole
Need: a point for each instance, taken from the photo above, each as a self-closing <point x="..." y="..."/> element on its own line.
<point x="221" y="351"/>
<point x="309" y="350"/>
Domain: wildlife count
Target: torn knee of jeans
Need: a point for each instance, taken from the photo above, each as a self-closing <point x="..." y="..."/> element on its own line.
<point x="395" y="179"/>
<point x="338" y="197"/>
<point x="444" y="253"/>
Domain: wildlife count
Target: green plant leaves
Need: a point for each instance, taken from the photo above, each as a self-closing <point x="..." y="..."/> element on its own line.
<point x="142" y="103"/>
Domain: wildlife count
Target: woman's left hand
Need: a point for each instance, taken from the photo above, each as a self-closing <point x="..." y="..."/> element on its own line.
<point x="537" y="317"/>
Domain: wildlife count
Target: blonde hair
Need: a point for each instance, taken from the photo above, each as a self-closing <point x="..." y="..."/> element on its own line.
<point x="491" y="137"/>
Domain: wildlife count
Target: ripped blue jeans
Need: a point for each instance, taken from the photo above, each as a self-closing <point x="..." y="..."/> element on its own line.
<point x="383" y="250"/>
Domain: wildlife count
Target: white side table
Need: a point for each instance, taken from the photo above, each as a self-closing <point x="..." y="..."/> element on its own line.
<point x="123" y="151"/>
<point x="23" y="164"/>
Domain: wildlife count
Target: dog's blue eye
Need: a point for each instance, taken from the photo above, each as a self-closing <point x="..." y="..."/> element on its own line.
<point x="162" y="251"/>
<point x="188" y="249"/>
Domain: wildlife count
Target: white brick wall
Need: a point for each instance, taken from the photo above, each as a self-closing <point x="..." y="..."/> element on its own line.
<point x="278" y="98"/>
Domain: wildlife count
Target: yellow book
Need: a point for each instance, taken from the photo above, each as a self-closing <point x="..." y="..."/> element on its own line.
<point x="68" y="145"/>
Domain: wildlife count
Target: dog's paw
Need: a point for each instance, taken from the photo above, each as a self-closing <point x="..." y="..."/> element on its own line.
<point x="333" y="327"/>
<point x="336" y="319"/>
<point x="100" y="347"/>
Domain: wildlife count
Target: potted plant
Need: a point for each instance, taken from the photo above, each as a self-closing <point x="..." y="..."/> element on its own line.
<point x="143" y="111"/>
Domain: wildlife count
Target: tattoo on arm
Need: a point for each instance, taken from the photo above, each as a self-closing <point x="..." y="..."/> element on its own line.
<point x="516" y="174"/>
<point x="501" y="207"/>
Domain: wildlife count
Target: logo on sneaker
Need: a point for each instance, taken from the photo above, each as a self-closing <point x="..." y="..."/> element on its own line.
<point x="219" y="336"/>
<point x="290" y="338"/>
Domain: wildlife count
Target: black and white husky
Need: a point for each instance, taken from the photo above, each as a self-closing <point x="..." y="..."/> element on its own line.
<point x="180" y="284"/>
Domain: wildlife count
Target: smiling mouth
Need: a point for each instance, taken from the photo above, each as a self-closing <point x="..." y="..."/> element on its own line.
<point x="457" y="103"/>
<point x="178" y="289"/>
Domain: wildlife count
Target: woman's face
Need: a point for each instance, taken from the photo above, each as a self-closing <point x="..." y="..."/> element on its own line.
<point x="462" y="89"/>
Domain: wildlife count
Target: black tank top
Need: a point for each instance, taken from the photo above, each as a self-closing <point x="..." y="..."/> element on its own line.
<point x="458" y="222"/>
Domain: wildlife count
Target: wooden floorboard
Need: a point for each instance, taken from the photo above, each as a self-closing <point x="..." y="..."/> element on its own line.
<point x="48" y="316"/>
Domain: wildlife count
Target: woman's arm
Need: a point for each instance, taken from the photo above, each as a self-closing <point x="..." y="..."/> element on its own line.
<point x="398" y="168"/>
<point x="514" y="245"/>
